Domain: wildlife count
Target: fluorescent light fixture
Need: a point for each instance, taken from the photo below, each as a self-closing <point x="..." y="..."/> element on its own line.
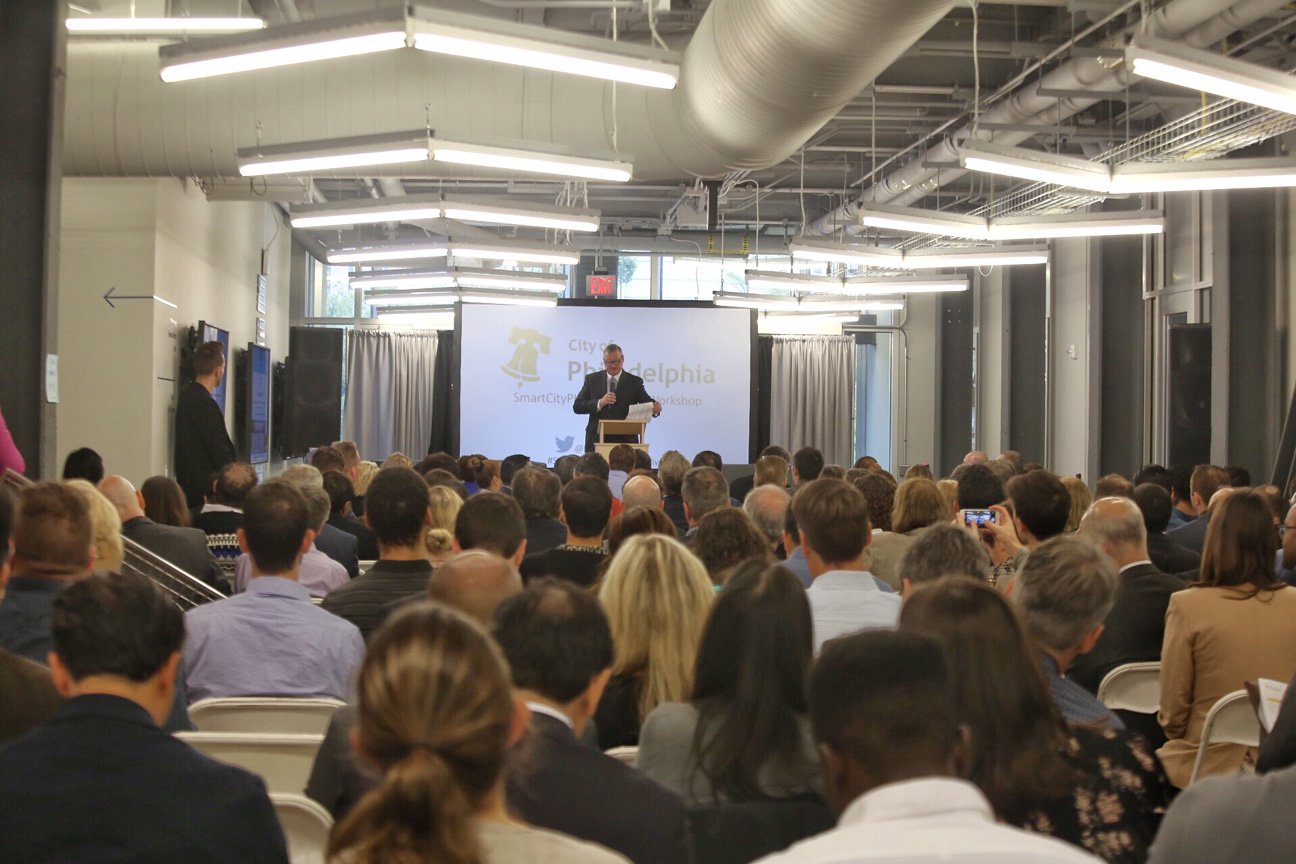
<point x="872" y="286"/>
<point x="774" y="303"/>
<point x="1177" y="64"/>
<point x="368" y="211"/>
<point x="809" y="250"/>
<point x="1034" y="165"/>
<point x="462" y="277"/>
<point x="482" y="250"/>
<point x="921" y="221"/>
<point x="438" y="277"/>
<point x="162" y="26"/>
<point x="1264" y="173"/>
<point x="531" y="161"/>
<point x="765" y="280"/>
<point x="935" y="259"/>
<point x="309" y="156"/>
<point x="489" y="213"/>
<point x="388" y="252"/>
<point x="284" y="45"/>
<point x="387" y="301"/>
<point x="1078" y="225"/>
<point x="498" y="41"/>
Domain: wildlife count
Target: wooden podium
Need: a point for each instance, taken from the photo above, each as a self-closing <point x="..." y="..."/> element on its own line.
<point x="620" y="427"/>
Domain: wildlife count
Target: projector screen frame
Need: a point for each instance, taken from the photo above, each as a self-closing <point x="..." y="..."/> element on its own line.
<point x="753" y="409"/>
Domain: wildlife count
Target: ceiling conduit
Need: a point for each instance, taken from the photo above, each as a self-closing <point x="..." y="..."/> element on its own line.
<point x="758" y="78"/>
<point x="1196" y="22"/>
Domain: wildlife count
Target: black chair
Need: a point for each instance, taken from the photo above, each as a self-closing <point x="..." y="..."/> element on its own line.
<point x="741" y="833"/>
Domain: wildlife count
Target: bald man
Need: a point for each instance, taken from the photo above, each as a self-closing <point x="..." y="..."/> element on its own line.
<point x="475" y="582"/>
<point x="186" y="548"/>
<point x="1134" y="628"/>
<point x="641" y="491"/>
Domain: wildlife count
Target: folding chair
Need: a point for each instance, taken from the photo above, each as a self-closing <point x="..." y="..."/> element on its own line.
<point x="1132" y="687"/>
<point x="264" y="714"/>
<point x="628" y="755"/>
<point x="306" y="826"/>
<point x="1231" y="720"/>
<point x="283" y="761"/>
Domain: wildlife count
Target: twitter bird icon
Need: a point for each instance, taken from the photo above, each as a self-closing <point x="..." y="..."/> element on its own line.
<point x="564" y="444"/>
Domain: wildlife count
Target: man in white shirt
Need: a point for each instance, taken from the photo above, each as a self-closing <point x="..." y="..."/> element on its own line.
<point x="882" y="706"/>
<point x="832" y="517"/>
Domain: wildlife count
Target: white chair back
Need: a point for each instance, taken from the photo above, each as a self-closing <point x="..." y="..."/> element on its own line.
<point x="1132" y="687"/>
<point x="306" y="826"/>
<point x="263" y="714"/>
<point x="628" y="755"/>
<point x="283" y="761"/>
<point x="1231" y="720"/>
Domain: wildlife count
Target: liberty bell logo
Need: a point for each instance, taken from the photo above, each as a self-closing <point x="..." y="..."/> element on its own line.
<point x="530" y="345"/>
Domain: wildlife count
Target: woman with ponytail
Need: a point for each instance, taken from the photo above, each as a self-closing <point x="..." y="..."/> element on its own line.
<point x="436" y="715"/>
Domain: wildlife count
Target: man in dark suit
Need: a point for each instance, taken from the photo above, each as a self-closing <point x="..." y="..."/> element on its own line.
<point x="186" y="548"/>
<point x="1135" y="627"/>
<point x="123" y="789"/>
<point x="1167" y="555"/>
<point x="1206" y="482"/>
<point x="341" y="494"/>
<point x="539" y="493"/>
<point x="608" y="395"/>
<point x="338" y="545"/>
<point x="202" y="444"/>
<point x="223" y="511"/>
<point x="559" y="647"/>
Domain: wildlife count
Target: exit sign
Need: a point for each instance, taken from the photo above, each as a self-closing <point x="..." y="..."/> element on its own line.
<point x="600" y="285"/>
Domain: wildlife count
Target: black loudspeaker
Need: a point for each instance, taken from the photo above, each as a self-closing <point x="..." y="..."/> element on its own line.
<point x="1189" y="381"/>
<point x="313" y="401"/>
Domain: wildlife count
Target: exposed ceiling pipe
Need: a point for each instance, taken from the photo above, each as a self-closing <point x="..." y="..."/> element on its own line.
<point x="915" y="180"/>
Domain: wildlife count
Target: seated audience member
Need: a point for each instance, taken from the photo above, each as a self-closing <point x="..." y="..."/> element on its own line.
<point x="270" y="640"/>
<point x="397" y="460"/>
<point x="833" y="520"/>
<point x="1088" y="785"/>
<point x="486" y="478"/>
<point x="52" y="548"/>
<point x="123" y="789"/>
<point x="27" y="694"/>
<point x="979" y="488"/>
<point x="918" y="506"/>
<point x="437" y="715"/>
<point x="164" y="502"/>
<point x="592" y="465"/>
<point x="793" y="555"/>
<point x="636" y="520"/>
<point x="833" y="472"/>
<point x="83" y="464"/>
<point x="586" y="509"/>
<point x="1205" y="482"/>
<point x="1224" y="820"/>
<point x="350" y="458"/>
<point x="365" y="472"/>
<point x="888" y="729"/>
<point x="641" y="490"/>
<point x="868" y="463"/>
<point x="338" y="545"/>
<point x="1014" y="461"/>
<point x="398" y="513"/>
<point x="473" y="582"/>
<point x="1135" y="627"/>
<point x="806" y="465"/>
<point x="317" y="573"/>
<point x="341" y="495"/>
<point x="744" y="734"/>
<point x="326" y="459"/>
<point x="509" y="467"/>
<point x="441" y="477"/>
<point x="1166" y="555"/>
<point x="766" y="471"/>
<point x="186" y="548"/>
<point x="1154" y="473"/>
<point x="704" y="490"/>
<point x="1113" y="486"/>
<point x="565" y="467"/>
<point x="556" y="639"/>
<point x="223" y="512"/>
<point x="1235" y="624"/>
<point x="1080" y="501"/>
<point x="976" y="457"/>
<point x="1183" y="510"/>
<point x="942" y="551"/>
<point x="621" y="461"/>
<point x="1041" y="507"/>
<point x="725" y="539"/>
<point x="470" y="466"/>
<point x="493" y="522"/>
<point x="920" y="471"/>
<point x="879" y="493"/>
<point x="1065" y="591"/>
<point x="444" y="505"/>
<point x="949" y="493"/>
<point x="1005" y="470"/>
<point x="708" y="459"/>
<point x="767" y="506"/>
<point x="643" y="462"/>
<point x="657" y="595"/>
<point x="539" y="493"/>
<point x="105" y="526"/>
<point x="441" y="460"/>
<point x="670" y="473"/>
<point x="1238" y="476"/>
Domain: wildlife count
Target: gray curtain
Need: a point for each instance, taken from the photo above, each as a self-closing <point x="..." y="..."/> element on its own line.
<point x="812" y="390"/>
<point x="389" y="392"/>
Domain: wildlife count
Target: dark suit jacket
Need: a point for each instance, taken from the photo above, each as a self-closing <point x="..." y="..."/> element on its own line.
<point x="122" y="790"/>
<point x="27" y="695"/>
<point x="1193" y="535"/>
<point x="1135" y="627"/>
<point x="366" y="539"/>
<point x="1169" y="556"/>
<point x="186" y="548"/>
<point x="739" y="488"/>
<point x="556" y="782"/>
<point x="543" y="534"/>
<point x="218" y="522"/>
<point x="341" y="547"/>
<point x="630" y="391"/>
<point x="202" y="445"/>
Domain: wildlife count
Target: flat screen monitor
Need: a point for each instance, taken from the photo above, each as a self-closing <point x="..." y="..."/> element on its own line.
<point x="256" y="405"/>
<point x="212" y="333"/>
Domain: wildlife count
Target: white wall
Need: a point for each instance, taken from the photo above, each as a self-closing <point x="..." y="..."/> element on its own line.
<point x="118" y="366"/>
<point x="1073" y="354"/>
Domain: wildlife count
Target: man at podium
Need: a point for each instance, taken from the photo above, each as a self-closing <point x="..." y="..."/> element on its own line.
<point x="608" y="395"/>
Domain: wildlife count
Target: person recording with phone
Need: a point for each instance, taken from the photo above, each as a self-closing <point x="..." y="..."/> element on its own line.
<point x="608" y="395"/>
<point x="1041" y="506"/>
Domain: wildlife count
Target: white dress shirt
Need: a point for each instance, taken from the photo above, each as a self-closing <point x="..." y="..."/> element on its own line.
<point x="934" y="820"/>
<point x="848" y="601"/>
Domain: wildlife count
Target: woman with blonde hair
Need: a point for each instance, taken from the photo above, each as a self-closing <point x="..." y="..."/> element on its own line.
<point x="918" y="505"/>
<point x="1080" y="501"/>
<point x="444" y="504"/>
<point x="949" y="491"/>
<point x="437" y="714"/>
<point x="656" y="594"/>
<point x="366" y="471"/>
<point x="105" y="526"/>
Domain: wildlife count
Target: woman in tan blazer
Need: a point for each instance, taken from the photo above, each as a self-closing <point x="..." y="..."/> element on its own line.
<point x="918" y="506"/>
<point x="1235" y="624"/>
